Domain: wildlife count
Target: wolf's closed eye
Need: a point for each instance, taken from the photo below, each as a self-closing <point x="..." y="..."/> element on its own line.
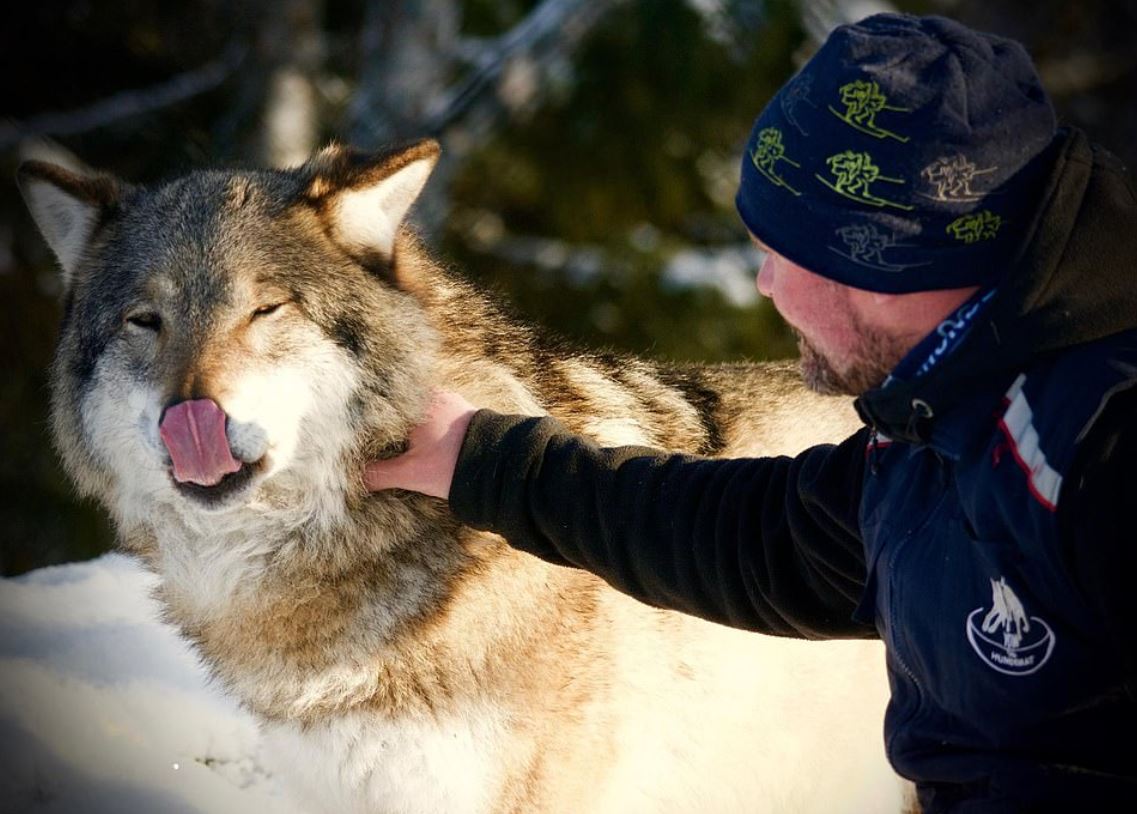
<point x="146" y="320"/>
<point x="265" y="310"/>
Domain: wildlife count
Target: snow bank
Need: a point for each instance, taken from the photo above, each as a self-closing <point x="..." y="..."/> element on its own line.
<point x="104" y="709"/>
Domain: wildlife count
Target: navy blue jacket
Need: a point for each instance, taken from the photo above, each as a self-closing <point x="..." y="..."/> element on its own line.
<point x="1008" y="680"/>
<point x="981" y="523"/>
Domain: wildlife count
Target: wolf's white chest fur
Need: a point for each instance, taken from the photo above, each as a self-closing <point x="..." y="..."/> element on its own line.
<point x="361" y="762"/>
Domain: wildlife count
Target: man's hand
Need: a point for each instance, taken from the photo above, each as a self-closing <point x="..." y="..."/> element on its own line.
<point x="428" y="465"/>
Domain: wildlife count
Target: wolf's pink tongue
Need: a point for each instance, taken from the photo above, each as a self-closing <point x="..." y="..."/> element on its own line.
<point x="194" y="434"/>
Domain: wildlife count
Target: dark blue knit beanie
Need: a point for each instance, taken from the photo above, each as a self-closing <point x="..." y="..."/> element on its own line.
<point x="906" y="155"/>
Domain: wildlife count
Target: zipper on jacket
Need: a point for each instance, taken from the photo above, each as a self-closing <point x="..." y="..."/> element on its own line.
<point x="892" y="613"/>
<point x="897" y="643"/>
<point x="898" y="640"/>
<point x="911" y="675"/>
<point x="913" y="534"/>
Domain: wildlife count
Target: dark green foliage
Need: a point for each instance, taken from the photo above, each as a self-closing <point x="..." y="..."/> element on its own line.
<point x="656" y="107"/>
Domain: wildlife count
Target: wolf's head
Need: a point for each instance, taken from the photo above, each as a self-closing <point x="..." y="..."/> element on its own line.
<point x="235" y="339"/>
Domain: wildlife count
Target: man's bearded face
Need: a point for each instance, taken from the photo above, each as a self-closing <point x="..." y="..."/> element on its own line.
<point x="871" y="358"/>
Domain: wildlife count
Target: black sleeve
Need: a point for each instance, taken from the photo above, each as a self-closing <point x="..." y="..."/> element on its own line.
<point x="1096" y="518"/>
<point x="767" y="544"/>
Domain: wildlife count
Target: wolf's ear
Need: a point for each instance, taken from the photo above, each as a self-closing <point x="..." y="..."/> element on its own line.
<point x="365" y="197"/>
<point x="67" y="207"/>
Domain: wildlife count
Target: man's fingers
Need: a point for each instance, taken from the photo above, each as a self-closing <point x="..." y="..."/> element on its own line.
<point x="379" y="475"/>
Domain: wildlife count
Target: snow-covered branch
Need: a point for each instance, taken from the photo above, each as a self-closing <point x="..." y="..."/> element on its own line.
<point x="819" y="17"/>
<point x="552" y="27"/>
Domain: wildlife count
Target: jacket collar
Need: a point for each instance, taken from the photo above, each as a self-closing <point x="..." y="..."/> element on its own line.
<point x="1071" y="283"/>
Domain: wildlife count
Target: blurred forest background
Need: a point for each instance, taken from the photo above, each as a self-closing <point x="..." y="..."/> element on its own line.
<point x="591" y="153"/>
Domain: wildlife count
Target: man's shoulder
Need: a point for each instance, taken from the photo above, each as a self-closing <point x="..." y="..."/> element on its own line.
<point x="1088" y="373"/>
<point x="1058" y="404"/>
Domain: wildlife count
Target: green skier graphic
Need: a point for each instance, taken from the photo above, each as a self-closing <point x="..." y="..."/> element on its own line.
<point x="976" y="226"/>
<point x="768" y="153"/>
<point x="854" y="173"/>
<point x="863" y="100"/>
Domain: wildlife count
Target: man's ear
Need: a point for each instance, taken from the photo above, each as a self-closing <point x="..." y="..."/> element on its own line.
<point x="364" y="197"/>
<point x="67" y="208"/>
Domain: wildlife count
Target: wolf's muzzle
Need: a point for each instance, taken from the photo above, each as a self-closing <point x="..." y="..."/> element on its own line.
<point x="194" y="435"/>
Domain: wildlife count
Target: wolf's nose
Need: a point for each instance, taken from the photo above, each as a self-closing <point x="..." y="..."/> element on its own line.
<point x="194" y="435"/>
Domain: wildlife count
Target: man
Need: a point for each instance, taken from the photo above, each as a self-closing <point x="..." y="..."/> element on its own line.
<point x="968" y="272"/>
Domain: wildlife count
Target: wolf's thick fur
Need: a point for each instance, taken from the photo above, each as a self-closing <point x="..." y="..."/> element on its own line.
<point x="399" y="661"/>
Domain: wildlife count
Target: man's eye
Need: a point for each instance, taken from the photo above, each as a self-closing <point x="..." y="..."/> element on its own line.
<point x="147" y="321"/>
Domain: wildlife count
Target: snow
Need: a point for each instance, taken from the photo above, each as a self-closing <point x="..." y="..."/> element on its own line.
<point x="731" y="270"/>
<point x="104" y="709"/>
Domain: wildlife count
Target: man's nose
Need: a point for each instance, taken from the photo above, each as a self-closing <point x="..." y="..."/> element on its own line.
<point x="765" y="281"/>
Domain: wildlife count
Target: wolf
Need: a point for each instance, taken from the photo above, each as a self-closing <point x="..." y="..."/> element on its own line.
<point x="236" y="345"/>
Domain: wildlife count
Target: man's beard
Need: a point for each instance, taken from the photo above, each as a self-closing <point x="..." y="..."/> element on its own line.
<point x="876" y="355"/>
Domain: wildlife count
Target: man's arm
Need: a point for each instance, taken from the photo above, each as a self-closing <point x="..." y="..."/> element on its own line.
<point x="768" y="544"/>
<point x="1097" y="521"/>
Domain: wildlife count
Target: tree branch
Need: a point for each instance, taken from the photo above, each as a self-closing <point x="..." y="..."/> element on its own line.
<point x="561" y="22"/>
<point x="127" y="103"/>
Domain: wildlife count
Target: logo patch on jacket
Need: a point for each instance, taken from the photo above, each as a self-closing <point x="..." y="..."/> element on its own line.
<point x="1005" y="637"/>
